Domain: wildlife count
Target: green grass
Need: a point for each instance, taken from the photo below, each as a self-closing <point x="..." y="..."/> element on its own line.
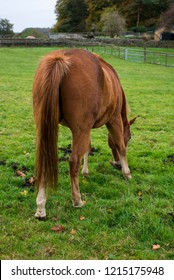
<point x="122" y="219"/>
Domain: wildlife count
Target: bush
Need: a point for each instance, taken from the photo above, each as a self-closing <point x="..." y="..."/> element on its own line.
<point x="140" y="29"/>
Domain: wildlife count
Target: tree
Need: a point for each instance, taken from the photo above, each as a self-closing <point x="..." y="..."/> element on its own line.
<point x="71" y="15"/>
<point x="95" y="9"/>
<point x="82" y="15"/>
<point x="167" y="18"/>
<point x="143" y="12"/>
<point x="149" y="7"/>
<point x="6" y="28"/>
<point x="113" y="23"/>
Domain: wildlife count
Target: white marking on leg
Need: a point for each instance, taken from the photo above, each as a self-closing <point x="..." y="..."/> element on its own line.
<point x="125" y="167"/>
<point x="75" y="192"/>
<point x="85" y="170"/>
<point x="41" y="201"/>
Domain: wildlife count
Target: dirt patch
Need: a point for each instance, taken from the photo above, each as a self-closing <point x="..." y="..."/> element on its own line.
<point x="67" y="151"/>
<point x="169" y="159"/>
<point x="94" y="151"/>
<point x="16" y="168"/>
<point x="21" y="171"/>
<point x="2" y="162"/>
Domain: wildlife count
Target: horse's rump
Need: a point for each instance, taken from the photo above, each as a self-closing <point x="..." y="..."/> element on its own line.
<point x="80" y="91"/>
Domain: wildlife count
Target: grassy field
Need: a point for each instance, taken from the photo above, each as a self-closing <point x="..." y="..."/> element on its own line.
<point x="120" y="220"/>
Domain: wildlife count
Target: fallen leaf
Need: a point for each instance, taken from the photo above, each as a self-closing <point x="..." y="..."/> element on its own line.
<point x="55" y="218"/>
<point x="109" y="210"/>
<point x="58" y="229"/>
<point x="20" y="173"/>
<point x="24" y="193"/>
<point x="73" y="231"/>
<point x="31" y="180"/>
<point x="82" y="218"/>
<point x="139" y="193"/>
<point x="156" y="247"/>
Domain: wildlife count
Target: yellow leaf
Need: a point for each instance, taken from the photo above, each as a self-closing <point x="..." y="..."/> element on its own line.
<point x="156" y="247"/>
<point x="73" y="231"/>
<point x="82" y="218"/>
<point x="24" y="193"/>
<point x="139" y="193"/>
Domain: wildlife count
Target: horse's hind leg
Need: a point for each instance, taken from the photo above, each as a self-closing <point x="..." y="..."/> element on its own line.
<point x="80" y="146"/>
<point x="41" y="201"/>
<point x="115" y="127"/>
<point x="85" y="170"/>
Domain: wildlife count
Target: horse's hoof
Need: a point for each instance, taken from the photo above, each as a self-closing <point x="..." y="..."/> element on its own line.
<point x="128" y="176"/>
<point x="116" y="164"/>
<point x="40" y="217"/>
<point x="85" y="174"/>
<point x="78" y="204"/>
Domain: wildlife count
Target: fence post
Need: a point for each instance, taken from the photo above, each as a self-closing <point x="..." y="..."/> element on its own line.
<point x="145" y="54"/>
<point x="166" y="58"/>
<point x="125" y="54"/>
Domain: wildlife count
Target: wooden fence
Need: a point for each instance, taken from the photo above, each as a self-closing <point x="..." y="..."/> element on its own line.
<point x="137" y="55"/>
<point x="126" y="53"/>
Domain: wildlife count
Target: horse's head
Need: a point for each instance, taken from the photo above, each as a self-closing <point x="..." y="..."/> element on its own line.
<point x="127" y="137"/>
<point x="127" y="131"/>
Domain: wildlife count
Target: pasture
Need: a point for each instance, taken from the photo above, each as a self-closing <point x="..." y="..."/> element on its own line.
<point x="120" y="219"/>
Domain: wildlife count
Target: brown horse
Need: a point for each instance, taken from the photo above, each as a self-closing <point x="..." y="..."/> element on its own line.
<point x="80" y="90"/>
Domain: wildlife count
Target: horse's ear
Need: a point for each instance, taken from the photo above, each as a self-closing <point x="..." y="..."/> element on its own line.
<point x="133" y="120"/>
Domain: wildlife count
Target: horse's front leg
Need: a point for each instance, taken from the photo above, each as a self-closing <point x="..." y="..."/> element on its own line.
<point x="116" y="162"/>
<point x="41" y="201"/>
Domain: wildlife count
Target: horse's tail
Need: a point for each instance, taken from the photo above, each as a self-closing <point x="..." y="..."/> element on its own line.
<point x="48" y="77"/>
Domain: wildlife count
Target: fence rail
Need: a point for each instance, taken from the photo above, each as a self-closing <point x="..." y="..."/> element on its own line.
<point x="138" y="55"/>
<point x="126" y="53"/>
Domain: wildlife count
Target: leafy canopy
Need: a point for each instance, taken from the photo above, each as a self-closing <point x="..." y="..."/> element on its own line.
<point x="86" y="15"/>
<point x="6" y="28"/>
